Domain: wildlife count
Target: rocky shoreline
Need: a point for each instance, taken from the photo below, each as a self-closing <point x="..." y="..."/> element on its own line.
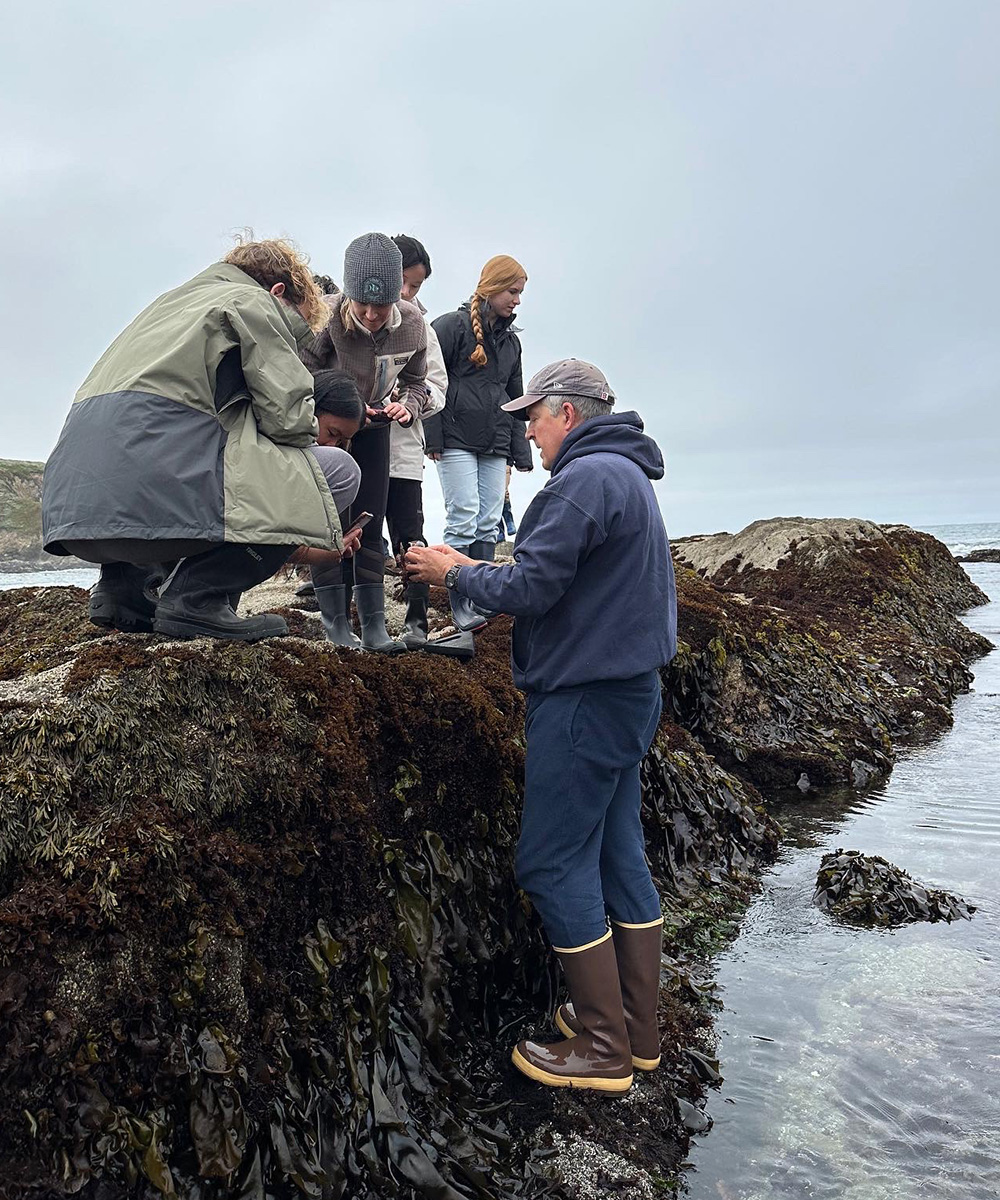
<point x="258" y="928"/>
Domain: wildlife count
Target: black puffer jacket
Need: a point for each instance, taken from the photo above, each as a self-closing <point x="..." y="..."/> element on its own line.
<point x="472" y="418"/>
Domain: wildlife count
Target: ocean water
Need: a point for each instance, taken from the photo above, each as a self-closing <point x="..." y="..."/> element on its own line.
<point x="863" y="1064"/>
<point x="83" y="577"/>
<point x="963" y="539"/>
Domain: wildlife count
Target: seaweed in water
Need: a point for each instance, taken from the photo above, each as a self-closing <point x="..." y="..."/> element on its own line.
<point x="862" y="889"/>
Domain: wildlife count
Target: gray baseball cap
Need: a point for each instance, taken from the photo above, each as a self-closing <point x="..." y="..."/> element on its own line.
<point x="569" y="376"/>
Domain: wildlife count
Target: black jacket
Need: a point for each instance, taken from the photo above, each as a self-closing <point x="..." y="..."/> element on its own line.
<point x="472" y="418"/>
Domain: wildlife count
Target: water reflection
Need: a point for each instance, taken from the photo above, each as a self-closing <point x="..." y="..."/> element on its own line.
<point x="864" y="1065"/>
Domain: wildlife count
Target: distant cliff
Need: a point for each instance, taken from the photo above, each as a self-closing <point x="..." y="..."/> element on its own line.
<point x="21" y="519"/>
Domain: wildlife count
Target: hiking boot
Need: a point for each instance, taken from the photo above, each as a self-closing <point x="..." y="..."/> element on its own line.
<point x="637" y="951"/>
<point x="598" y="1057"/>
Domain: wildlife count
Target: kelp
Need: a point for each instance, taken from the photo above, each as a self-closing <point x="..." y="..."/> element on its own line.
<point x="861" y="889"/>
<point x="260" y="934"/>
<point x="259" y="931"/>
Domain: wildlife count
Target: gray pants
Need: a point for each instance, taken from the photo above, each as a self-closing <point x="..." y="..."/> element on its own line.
<point x="343" y="475"/>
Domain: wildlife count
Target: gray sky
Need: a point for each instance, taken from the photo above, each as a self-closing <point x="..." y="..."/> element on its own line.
<point x="773" y="223"/>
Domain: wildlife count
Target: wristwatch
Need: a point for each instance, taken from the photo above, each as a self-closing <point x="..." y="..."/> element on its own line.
<point x="451" y="575"/>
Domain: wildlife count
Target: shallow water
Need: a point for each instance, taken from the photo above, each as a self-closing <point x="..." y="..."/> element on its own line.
<point x="865" y="1065"/>
<point x="83" y="577"/>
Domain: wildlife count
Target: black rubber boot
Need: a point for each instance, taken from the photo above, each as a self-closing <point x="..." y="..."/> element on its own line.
<point x="370" y="601"/>
<point x="455" y="645"/>
<point x="465" y="616"/>
<point x="483" y="552"/>
<point x="332" y="601"/>
<point x="195" y="602"/>
<point x="415" y="624"/>
<point x="124" y="597"/>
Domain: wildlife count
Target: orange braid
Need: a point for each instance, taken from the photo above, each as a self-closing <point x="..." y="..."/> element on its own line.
<point x="478" y="356"/>
<point x="500" y="273"/>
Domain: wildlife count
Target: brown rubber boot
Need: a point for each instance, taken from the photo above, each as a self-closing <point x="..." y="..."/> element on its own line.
<point x="637" y="950"/>
<point x="598" y="1057"/>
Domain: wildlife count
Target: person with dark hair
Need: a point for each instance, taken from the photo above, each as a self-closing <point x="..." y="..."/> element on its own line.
<point x="405" y="508"/>
<point x="381" y="342"/>
<point x="591" y="590"/>
<point x="472" y="439"/>
<point x="188" y="465"/>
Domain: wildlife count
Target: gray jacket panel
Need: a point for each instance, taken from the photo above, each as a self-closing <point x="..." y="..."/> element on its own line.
<point x="134" y="465"/>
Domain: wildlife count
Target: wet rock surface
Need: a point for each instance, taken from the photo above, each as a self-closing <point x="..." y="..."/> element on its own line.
<point x="259" y="934"/>
<point x="990" y="555"/>
<point x="861" y="889"/>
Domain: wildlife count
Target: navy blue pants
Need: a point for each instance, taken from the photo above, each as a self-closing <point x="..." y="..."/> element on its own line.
<point x="582" y="856"/>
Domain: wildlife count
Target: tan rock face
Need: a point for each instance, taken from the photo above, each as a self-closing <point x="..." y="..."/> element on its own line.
<point x="764" y="544"/>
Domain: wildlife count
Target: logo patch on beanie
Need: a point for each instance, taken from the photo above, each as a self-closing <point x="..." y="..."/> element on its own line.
<point x="372" y="290"/>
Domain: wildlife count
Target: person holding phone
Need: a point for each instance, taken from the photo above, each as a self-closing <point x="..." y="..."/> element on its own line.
<point x="381" y="342"/>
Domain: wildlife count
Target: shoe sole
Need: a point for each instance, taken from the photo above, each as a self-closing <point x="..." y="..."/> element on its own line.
<point x="571" y="1081"/>
<point x="640" y="1064"/>
<point x="125" y="621"/>
<point x="179" y="629"/>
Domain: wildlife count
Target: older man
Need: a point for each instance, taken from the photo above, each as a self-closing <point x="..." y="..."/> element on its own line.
<point x="591" y="589"/>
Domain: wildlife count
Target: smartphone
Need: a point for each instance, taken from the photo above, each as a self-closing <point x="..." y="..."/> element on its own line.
<point x="362" y="521"/>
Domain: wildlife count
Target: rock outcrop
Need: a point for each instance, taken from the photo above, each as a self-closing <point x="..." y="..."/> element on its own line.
<point x="989" y="555"/>
<point x="21" y="520"/>
<point x="259" y="934"/>
<point x="862" y="889"/>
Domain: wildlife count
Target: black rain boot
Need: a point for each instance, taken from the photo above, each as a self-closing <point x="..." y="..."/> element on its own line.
<point x="464" y="615"/>
<point x="124" y="598"/>
<point x="415" y="624"/>
<point x="455" y="645"/>
<point x="332" y="601"/>
<point x="483" y="552"/>
<point x="370" y="601"/>
<point x="195" y="602"/>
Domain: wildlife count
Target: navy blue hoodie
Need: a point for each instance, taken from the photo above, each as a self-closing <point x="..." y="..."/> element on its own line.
<point x="591" y="585"/>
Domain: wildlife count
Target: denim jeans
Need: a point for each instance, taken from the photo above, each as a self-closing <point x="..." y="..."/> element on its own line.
<point x="473" y="487"/>
<point x="582" y="855"/>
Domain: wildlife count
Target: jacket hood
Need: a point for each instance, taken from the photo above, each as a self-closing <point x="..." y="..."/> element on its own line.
<point x="617" y="433"/>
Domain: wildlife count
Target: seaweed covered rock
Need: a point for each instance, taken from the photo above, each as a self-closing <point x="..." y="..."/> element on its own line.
<point x="810" y="649"/>
<point x="259" y="932"/>
<point x="861" y="889"/>
<point x="989" y="555"/>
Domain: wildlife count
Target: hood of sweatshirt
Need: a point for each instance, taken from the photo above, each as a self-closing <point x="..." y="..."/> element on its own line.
<point x="617" y="433"/>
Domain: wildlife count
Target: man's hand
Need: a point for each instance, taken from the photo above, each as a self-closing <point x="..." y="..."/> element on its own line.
<point x="434" y="455"/>
<point x="352" y="541"/>
<point x="429" y="564"/>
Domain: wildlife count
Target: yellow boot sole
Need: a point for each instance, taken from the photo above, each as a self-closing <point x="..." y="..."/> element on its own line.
<point x="640" y="1064"/>
<point x="577" y="1081"/>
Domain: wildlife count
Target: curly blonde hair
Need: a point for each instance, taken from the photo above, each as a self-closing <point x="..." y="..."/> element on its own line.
<point x="500" y="273"/>
<point x="276" y="260"/>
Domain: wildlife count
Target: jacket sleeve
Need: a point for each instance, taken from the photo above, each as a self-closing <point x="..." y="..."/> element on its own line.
<point x="437" y="376"/>
<point x="413" y="378"/>
<point x="281" y="390"/>
<point x="520" y="451"/>
<point x="545" y="562"/>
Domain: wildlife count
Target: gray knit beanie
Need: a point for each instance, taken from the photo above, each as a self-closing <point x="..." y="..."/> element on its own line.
<point x="373" y="270"/>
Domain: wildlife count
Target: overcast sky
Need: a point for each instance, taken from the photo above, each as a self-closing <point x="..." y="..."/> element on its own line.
<point x="773" y="223"/>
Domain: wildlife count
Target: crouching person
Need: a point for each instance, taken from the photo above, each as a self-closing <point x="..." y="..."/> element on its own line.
<point x="187" y="466"/>
<point x="591" y="589"/>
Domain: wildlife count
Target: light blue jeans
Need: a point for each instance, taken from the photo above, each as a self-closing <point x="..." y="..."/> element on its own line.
<point x="473" y="487"/>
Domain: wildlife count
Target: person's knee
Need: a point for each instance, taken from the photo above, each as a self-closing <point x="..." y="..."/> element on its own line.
<point x="342" y="473"/>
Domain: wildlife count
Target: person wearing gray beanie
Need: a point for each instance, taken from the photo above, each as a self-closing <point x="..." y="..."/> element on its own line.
<point x="380" y="340"/>
<point x="373" y="270"/>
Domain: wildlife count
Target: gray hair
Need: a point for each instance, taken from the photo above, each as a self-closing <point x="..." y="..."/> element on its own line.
<point x="586" y="406"/>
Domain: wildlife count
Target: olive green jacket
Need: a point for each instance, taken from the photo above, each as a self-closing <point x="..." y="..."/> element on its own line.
<point x="195" y="424"/>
